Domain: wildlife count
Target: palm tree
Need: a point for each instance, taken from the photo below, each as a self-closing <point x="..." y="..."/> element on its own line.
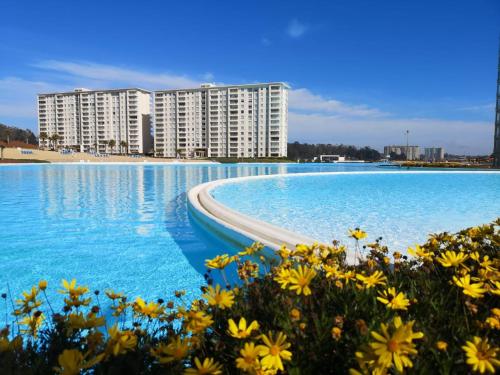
<point x="124" y="145"/>
<point x="43" y="137"/>
<point x="2" y="146"/>
<point x="55" y="139"/>
<point x="112" y="144"/>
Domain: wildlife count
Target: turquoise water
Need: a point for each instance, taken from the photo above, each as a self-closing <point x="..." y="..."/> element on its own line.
<point x="111" y="226"/>
<point x="400" y="207"/>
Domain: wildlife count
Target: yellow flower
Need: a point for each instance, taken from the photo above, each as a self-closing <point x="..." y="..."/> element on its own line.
<point x="452" y="259"/>
<point x="481" y="356"/>
<point x="220" y="298"/>
<point x="300" y="280"/>
<point x="284" y="252"/>
<point x="33" y="323"/>
<point x="29" y="302"/>
<point x="71" y="289"/>
<point x="248" y="360"/>
<point x="241" y="331"/>
<point x="336" y="333"/>
<point x="274" y="351"/>
<point x="197" y="321"/>
<point x="442" y="345"/>
<point x="394" y="349"/>
<point x="253" y="249"/>
<point x="113" y="295"/>
<point x="283" y="277"/>
<point x="72" y="361"/>
<point x="42" y="284"/>
<point x="357" y="234"/>
<point x="150" y="310"/>
<point x="348" y="276"/>
<point x="421" y="253"/>
<point x="376" y="278"/>
<point x="176" y="350"/>
<point x="475" y="290"/>
<point x="219" y="262"/>
<point x="120" y="342"/>
<point x="208" y="367"/>
<point x="295" y="314"/>
<point x="332" y="271"/>
<point x="78" y="321"/>
<point x="393" y="300"/>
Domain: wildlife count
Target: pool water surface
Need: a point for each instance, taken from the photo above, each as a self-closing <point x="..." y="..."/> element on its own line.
<point x="124" y="227"/>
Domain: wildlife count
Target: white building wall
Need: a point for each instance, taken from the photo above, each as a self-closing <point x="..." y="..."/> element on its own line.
<point x="225" y="121"/>
<point x="90" y="119"/>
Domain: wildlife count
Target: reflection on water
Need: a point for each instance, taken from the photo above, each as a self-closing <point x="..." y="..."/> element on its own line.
<point x="110" y="226"/>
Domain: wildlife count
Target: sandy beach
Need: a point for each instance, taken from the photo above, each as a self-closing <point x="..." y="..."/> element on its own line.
<point x="79" y="157"/>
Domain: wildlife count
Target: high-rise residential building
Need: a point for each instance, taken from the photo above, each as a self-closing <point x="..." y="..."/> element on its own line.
<point x="411" y="152"/>
<point x="433" y="154"/>
<point x="496" y="148"/>
<point x="222" y="121"/>
<point x="87" y="120"/>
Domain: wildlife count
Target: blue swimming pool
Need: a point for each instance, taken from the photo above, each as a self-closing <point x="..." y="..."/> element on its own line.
<point x="122" y="226"/>
<point x="401" y="207"/>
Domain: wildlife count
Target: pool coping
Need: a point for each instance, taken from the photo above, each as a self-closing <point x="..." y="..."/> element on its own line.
<point x="243" y="229"/>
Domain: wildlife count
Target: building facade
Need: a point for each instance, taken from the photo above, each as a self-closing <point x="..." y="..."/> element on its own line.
<point x="244" y="121"/>
<point x="87" y="120"/>
<point x="411" y="152"/>
<point x="433" y="154"/>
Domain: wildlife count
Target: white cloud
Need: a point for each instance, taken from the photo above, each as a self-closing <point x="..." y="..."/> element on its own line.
<point x="18" y="96"/>
<point x="114" y="75"/>
<point x="296" y="29"/>
<point x="461" y="137"/>
<point x="479" y="108"/>
<point x="303" y="99"/>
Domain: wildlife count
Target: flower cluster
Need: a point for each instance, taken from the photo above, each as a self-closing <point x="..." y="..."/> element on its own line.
<point x="312" y="309"/>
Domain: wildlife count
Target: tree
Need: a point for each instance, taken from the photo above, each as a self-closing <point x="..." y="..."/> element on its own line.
<point x="112" y="144"/>
<point x="43" y="137"/>
<point x="55" y="140"/>
<point x="123" y="145"/>
<point x="2" y="146"/>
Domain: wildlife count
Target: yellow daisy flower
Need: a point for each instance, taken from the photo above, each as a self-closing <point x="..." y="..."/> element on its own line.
<point x="481" y="356"/>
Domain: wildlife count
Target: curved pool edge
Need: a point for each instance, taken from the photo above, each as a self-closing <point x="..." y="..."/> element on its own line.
<point x="242" y="229"/>
<point x="237" y="227"/>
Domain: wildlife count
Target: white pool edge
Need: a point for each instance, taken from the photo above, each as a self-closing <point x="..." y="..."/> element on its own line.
<point x="243" y="229"/>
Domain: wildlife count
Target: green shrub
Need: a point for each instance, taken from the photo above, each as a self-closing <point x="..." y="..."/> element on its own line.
<point x="307" y="311"/>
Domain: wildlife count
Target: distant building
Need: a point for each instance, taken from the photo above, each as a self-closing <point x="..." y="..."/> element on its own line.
<point x="496" y="149"/>
<point x="411" y="152"/>
<point x="433" y="154"/>
<point x="331" y="158"/>
<point x="89" y="119"/>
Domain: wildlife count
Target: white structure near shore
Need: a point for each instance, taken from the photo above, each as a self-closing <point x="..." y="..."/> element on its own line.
<point x="87" y="120"/>
<point x="222" y="121"/>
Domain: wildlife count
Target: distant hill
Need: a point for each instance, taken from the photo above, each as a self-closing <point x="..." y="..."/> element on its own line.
<point x="12" y="133"/>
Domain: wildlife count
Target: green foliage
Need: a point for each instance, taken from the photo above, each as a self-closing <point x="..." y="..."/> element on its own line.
<point x="306" y="309"/>
<point x="15" y="134"/>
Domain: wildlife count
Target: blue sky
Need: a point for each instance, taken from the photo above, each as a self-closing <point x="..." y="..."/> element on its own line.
<point x="361" y="71"/>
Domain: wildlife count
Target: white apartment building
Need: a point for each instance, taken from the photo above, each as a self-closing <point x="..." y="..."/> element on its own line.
<point x="433" y="153"/>
<point x="222" y="121"/>
<point x="88" y="119"/>
<point x="411" y="152"/>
